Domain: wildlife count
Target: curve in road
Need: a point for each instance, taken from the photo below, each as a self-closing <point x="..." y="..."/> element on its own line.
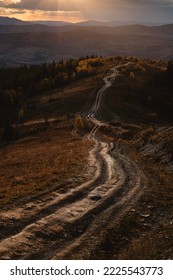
<point x="69" y="225"/>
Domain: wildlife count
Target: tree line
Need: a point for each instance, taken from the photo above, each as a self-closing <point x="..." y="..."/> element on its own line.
<point x="17" y="84"/>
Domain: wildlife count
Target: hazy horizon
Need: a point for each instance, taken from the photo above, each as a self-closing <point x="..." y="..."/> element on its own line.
<point x="92" y="20"/>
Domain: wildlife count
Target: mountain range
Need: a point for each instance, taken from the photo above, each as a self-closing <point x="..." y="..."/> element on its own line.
<point x="14" y="21"/>
<point x="39" y="43"/>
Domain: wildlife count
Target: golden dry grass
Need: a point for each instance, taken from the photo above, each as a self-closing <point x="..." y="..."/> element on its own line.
<point x="153" y="238"/>
<point x="156" y="244"/>
<point x="147" y="231"/>
<point x="35" y="164"/>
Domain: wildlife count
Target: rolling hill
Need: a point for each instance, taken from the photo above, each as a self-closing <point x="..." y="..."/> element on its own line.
<point x="38" y="43"/>
<point x="43" y="41"/>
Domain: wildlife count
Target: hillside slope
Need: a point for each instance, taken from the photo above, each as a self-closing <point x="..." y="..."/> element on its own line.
<point x="90" y="180"/>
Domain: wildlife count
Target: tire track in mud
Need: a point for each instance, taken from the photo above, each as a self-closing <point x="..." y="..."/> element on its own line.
<point x="18" y="246"/>
<point x="14" y="220"/>
<point x="60" y="225"/>
<point x="126" y="197"/>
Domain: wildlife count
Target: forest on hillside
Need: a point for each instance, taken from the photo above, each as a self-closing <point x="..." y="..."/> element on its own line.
<point x="18" y="84"/>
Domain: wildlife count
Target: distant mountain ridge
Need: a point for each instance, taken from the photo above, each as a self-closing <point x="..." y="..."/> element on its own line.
<point x="14" y="21"/>
<point x="135" y="29"/>
<point x="51" y="23"/>
<point x="39" y="43"/>
<point x="10" y="21"/>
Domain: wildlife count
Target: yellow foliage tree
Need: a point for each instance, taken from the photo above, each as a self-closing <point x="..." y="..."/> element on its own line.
<point x="132" y="75"/>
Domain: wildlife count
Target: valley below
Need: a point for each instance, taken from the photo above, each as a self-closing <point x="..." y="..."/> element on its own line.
<point x="30" y="44"/>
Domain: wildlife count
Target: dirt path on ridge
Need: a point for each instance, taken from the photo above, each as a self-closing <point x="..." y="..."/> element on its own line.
<point x="69" y="225"/>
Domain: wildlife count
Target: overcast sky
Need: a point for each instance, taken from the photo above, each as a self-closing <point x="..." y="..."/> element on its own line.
<point x="77" y="10"/>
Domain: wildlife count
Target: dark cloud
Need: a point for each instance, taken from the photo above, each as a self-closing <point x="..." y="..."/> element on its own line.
<point x="72" y="5"/>
<point x="44" y="5"/>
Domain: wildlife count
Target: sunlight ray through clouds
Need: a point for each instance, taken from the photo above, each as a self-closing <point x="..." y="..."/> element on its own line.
<point x="43" y="10"/>
<point x="76" y="10"/>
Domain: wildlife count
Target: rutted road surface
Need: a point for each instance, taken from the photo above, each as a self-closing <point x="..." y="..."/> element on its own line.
<point x="71" y="225"/>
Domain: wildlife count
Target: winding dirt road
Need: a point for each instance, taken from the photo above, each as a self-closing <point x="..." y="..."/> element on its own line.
<point x="70" y="223"/>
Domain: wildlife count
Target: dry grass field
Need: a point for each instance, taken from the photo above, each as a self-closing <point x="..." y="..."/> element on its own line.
<point x="36" y="164"/>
